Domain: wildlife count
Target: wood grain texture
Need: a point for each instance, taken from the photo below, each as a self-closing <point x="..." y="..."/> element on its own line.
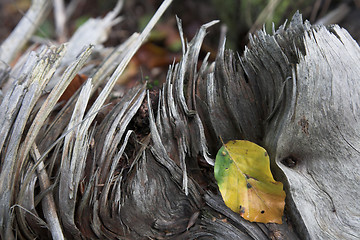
<point x="295" y="92"/>
<point x="321" y="131"/>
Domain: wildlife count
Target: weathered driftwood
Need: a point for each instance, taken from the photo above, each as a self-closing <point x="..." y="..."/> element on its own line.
<point x="295" y="92"/>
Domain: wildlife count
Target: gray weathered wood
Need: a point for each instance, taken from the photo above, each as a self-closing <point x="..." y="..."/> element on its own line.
<point x="295" y="92"/>
<point x="321" y="131"/>
<point x="24" y="30"/>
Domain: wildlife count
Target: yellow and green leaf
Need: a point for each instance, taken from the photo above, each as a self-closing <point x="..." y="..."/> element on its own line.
<point x="242" y="172"/>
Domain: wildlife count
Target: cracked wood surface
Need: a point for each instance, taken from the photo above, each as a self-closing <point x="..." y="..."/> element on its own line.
<point x="295" y="92"/>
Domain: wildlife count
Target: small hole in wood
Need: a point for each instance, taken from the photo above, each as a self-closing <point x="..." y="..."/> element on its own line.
<point x="289" y="161"/>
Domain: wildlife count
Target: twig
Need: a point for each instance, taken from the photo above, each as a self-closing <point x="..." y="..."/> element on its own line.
<point x="334" y="16"/>
<point x="265" y="14"/>
<point x="60" y="20"/>
<point x="24" y="30"/>
<point x="71" y="7"/>
<point x="48" y="204"/>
